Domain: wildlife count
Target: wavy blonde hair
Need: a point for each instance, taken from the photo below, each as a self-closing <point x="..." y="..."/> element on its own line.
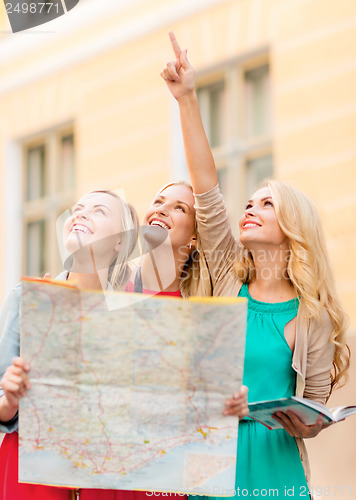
<point x="119" y="270"/>
<point x="195" y="278"/>
<point x="309" y="268"/>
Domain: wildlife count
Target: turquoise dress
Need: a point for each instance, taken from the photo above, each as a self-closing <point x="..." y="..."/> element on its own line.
<point x="268" y="460"/>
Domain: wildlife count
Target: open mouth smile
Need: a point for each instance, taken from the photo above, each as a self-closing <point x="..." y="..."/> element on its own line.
<point x="80" y="228"/>
<point x="250" y="224"/>
<point x="159" y="223"/>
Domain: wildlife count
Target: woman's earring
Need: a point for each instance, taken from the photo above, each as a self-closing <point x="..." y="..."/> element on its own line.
<point x="191" y="244"/>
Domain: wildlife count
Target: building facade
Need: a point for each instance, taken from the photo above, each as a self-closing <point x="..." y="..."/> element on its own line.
<point x="83" y="107"/>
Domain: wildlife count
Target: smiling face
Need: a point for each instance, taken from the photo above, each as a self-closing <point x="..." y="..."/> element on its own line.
<point x="95" y="222"/>
<point x="173" y="209"/>
<point x="259" y="225"/>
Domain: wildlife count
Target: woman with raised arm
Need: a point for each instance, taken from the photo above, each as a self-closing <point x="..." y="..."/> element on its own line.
<point x="173" y="262"/>
<point x="295" y="339"/>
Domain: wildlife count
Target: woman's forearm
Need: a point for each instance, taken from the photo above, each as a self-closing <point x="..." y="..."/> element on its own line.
<point x="198" y="154"/>
<point x="7" y="411"/>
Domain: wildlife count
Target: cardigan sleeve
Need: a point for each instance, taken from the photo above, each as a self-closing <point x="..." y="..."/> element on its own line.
<point x="320" y="357"/>
<point x="219" y="244"/>
<point x="9" y="342"/>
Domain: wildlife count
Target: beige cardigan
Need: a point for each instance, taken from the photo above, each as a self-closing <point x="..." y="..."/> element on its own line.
<point x="313" y="352"/>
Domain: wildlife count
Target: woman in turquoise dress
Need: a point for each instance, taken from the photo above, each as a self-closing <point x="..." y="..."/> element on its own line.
<point x="295" y="340"/>
<point x="269" y="374"/>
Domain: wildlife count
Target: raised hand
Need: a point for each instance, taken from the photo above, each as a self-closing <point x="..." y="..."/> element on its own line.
<point x="15" y="384"/>
<point x="238" y="405"/>
<point x="179" y="75"/>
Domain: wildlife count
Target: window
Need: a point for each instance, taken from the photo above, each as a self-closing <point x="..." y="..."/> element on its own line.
<point x="36" y="242"/>
<point x="36" y="173"/>
<point x="49" y="189"/>
<point x="257" y="169"/>
<point x="66" y="174"/>
<point x="235" y="105"/>
<point x="257" y="102"/>
<point x="212" y="101"/>
<point x="223" y="178"/>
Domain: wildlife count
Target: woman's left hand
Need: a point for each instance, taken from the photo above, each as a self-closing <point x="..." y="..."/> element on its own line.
<point x="237" y="405"/>
<point x="295" y="427"/>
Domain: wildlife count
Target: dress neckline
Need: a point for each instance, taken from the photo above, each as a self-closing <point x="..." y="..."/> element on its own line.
<point x="276" y="307"/>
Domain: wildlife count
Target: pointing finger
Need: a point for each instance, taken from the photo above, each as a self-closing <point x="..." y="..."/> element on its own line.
<point x="175" y="44"/>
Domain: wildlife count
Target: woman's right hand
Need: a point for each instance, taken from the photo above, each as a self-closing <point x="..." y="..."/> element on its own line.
<point x="179" y="75"/>
<point x="15" y="383"/>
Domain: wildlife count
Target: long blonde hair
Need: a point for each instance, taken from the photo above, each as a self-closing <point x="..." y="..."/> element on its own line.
<point x="119" y="270"/>
<point x="195" y="278"/>
<point x="309" y="268"/>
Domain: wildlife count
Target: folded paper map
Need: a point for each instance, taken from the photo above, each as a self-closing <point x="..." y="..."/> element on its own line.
<point x="129" y="397"/>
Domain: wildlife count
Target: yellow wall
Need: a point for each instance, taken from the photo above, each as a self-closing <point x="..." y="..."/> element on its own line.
<point x="122" y="113"/>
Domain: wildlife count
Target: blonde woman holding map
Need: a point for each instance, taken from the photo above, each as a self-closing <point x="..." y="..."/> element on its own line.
<point x="295" y="343"/>
<point x="100" y="234"/>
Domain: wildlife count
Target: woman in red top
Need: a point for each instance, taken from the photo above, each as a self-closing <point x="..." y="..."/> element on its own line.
<point x="175" y="266"/>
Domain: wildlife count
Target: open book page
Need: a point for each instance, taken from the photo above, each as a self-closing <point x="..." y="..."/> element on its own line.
<point x="336" y="414"/>
<point x="341" y="412"/>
